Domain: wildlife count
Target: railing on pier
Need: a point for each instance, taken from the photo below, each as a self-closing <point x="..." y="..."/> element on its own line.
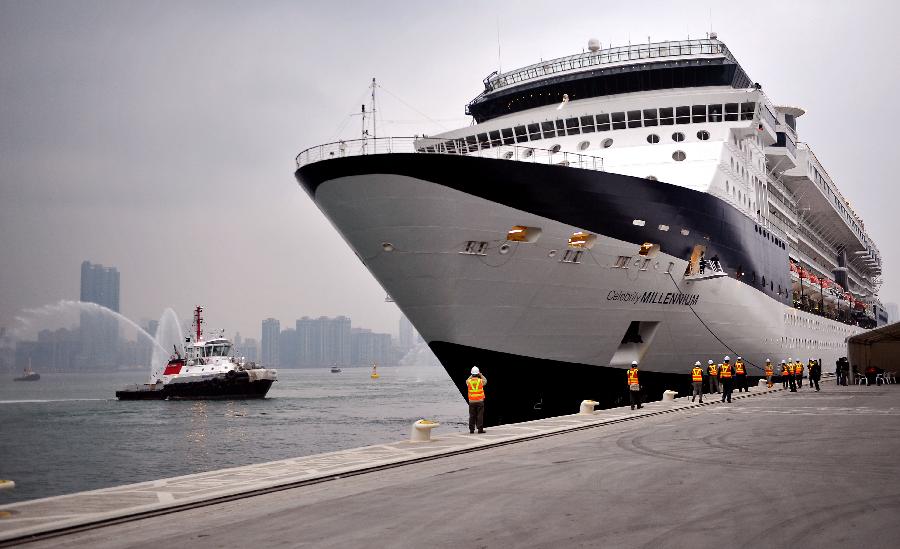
<point x="459" y="147"/>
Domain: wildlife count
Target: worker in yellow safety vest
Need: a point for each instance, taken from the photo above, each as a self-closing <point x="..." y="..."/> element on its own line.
<point x="740" y="375"/>
<point x="712" y="371"/>
<point x="697" y="381"/>
<point x="634" y="386"/>
<point x="785" y="373"/>
<point x="475" y="385"/>
<point x="726" y="373"/>
<point x="798" y="373"/>
<point x="770" y="372"/>
<point x="792" y="379"/>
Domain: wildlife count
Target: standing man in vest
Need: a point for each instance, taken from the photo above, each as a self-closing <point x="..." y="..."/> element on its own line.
<point x="798" y="373"/>
<point x="792" y="379"/>
<point x="634" y="386"/>
<point x="726" y="374"/>
<point x="770" y="372"/>
<point x="697" y="381"/>
<point x="712" y="372"/>
<point x="475" y="385"/>
<point x="740" y="375"/>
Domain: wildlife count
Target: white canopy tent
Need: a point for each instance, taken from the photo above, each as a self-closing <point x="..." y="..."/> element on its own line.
<point x="879" y="348"/>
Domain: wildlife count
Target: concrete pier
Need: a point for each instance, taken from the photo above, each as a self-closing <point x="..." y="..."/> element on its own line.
<point x="772" y="469"/>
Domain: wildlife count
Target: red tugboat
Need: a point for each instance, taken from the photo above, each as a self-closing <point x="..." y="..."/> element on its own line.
<point x="207" y="371"/>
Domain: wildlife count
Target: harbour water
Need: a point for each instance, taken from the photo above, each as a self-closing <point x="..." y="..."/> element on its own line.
<point x="67" y="432"/>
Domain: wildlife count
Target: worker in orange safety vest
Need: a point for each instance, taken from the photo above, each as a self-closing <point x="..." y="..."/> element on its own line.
<point x="697" y="382"/>
<point x="475" y="388"/>
<point x="726" y="374"/>
<point x="634" y="386"/>
<point x="770" y="372"/>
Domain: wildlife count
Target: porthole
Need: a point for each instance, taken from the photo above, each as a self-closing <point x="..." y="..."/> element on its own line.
<point x="555" y="148"/>
<point x="607" y="143"/>
<point x="677" y="137"/>
<point x="652" y="138"/>
<point x="584" y="145"/>
<point x="527" y="153"/>
<point x="703" y="135"/>
<point x="507" y="155"/>
<point x="678" y="156"/>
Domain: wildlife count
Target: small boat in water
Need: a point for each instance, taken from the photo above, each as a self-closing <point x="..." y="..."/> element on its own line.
<point x="28" y="375"/>
<point x="207" y="371"/>
<point x="335" y="370"/>
<point x="374" y="374"/>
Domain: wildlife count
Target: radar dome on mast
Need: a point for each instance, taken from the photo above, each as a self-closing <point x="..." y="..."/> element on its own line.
<point x="594" y="45"/>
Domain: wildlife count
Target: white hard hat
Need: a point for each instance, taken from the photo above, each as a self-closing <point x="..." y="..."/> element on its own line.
<point x="475" y="370"/>
<point x="727" y="358"/>
<point x="697" y="363"/>
<point x="782" y="362"/>
<point x="739" y="358"/>
<point x="634" y="362"/>
<point x="768" y="360"/>
<point x="709" y="361"/>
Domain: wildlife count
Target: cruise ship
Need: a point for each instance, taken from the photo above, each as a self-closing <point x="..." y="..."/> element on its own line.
<point x="641" y="203"/>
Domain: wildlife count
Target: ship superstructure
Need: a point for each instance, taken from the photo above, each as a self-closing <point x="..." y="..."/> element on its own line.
<point x="647" y="202"/>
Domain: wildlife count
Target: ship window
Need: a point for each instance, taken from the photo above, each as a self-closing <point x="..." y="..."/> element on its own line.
<point x="663" y="228"/>
<point x="678" y="156"/>
<point x="587" y="124"/>
<point x="727" y="187"/>
<point x="703" y="135"/>
<point x="549" y="130"/>
<point x="472" y="143"/>
<point x="607" y="143"/>
<point x="682" y="115"/>
<point x="731" y="112"/>
<point x="584" y="145"/>
<point x="508" y="136"/>
<point x="527" y="152"/>
<point x="582" y="240"/>
<point x="677" y="137"/>
<point x="748" y="110"/>
<point x="534" y="131"/>
<point x="603" y="122"/>
<point x="495" y="138"/>
<point x="652" y="138"/>
<point x="521" y="134"/>
<point x="508" y="154"/>
<point x="521" y="233"/>
<point x="650" y="117"/>
<point x="685" y="232"/>
<point x="715" y="113"/>
<point x="634" y="119"/>
<point x="666" y="116"/>
<point x="560" y="128"/>
<point x="572" y="126"/>
<point x="698" y="114"/>
<point x="618" y="120"/>
<point x="639" y="222"/>
<point x="622" y="262"/>
<point x="483" y="141"/>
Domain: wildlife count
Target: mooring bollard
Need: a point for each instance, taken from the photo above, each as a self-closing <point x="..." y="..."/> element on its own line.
<point x="421" y="430"/>
<point x="587" y="407"/>
<point x="669" y="396"/>
<point x="6" y="484"/>
<point x="762" y="384"/>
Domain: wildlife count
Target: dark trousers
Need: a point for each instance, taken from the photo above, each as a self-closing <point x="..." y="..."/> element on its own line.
<point x="713" y="384"/>
<point x="698" y="390"/>
<point x="800" y="381"/>
<point x="476" y="416"/>
<point x="635" y="397"/>
<point x="784" y="381"/>
<point x="793" y="383"/>
<point x="814" y="382"/>
<point x="741" y="382"/>
<point x="727" y="388"/>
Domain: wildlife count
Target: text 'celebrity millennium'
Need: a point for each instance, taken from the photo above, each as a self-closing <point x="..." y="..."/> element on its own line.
<point x="646" y="203"/>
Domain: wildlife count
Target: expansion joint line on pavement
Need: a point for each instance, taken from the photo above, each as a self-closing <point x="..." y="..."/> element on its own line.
<point x="92" y="525"/>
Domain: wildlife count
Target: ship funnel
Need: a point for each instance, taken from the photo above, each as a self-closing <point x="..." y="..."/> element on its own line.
<point x="594" y="45"/>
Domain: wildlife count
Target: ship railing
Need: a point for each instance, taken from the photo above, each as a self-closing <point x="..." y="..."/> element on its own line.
<point x="608" y="56"/>
<point x="457" y="147"/>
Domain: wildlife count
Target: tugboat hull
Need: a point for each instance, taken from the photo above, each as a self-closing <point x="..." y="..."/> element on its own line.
<point x="236" y="386"/>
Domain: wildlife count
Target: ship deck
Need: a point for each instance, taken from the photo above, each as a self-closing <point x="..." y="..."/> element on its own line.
<point x="772" y="469"/>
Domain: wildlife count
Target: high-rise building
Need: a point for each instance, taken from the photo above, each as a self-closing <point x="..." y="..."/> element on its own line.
<point x="323" y="341"/>
<point x="99" y="332"/>
<point x="407" y="334"/>
<point x="271" y="329"/>
<point x="287" y="348"/>
<point x="368" y="347"/>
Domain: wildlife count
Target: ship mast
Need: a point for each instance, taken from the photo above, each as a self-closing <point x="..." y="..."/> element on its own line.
<point x="198" y="320"/>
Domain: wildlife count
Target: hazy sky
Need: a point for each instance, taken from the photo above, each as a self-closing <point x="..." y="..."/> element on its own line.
<point x="159" y="137"/>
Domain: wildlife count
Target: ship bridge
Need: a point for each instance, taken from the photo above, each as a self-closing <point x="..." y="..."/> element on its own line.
<point x="625" y="69"/>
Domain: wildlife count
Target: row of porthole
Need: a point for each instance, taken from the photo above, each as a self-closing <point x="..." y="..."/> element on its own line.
<point x="677" y="137"/>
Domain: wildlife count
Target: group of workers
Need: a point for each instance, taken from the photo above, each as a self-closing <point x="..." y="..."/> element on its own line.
<point x="729" y="376"/>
